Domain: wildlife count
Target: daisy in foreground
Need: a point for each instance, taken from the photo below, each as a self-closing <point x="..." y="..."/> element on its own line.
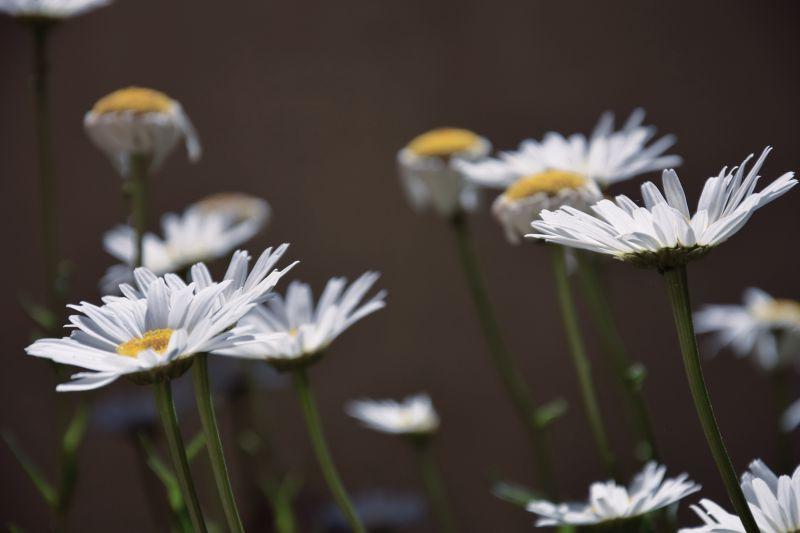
<point x="774" y="502"/>
<point x="49" y="9"/>
<point x="616" y="507"/>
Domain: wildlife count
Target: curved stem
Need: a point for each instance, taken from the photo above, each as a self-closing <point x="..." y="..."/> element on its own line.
<point x="138" y="194"/>
<point x="303" y="388"/>
<point x="582" y="366"/>
<point x="678" y="289"/>
<point x="205" y="406"/>
<point x="434" y="485"/>
<point x="517" y="389"/>
<point x="169" y="419"/>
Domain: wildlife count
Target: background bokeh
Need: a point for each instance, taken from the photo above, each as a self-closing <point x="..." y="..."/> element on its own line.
<point x="305" y="104"/>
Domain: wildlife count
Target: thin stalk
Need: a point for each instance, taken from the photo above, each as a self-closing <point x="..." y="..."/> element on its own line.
<point x="583" y="367"/>
<point x="434" y="486"/>
<point x="169" y="419"/>
<point x="151" y="486"/>
<point x="678" y="289"/>
<point x="329" y="472"/>
<point x="205" y="406"/>
<point x="138" y="194"/>
<point x="518" y="390"/>
<point x="614" y="347"/>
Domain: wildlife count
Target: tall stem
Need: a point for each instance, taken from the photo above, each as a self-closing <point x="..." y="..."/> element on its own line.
<point x="434" y="486"/>
<point x="329" y="472"/>
<point x="169" y="419"/>
<point x="615" y="350"/>
<point x="138" y="193"/>
<point x="678" y="289"/>
<point x="205" y="406"/>
<point x="517" y="389"/>
<point x="582" y="366"/>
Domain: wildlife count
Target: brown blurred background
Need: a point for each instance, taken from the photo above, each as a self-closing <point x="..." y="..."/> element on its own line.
<point x="305" y="104"/>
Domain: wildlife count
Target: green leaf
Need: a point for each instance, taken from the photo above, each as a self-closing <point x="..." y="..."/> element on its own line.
<point x="514" y="493"/>
<point x="195" y="446"/>
<point x="40" y="315"/>
<point x="33" y="472"/>
<point x="70" y="444"/>
<point x="550" y="412"/>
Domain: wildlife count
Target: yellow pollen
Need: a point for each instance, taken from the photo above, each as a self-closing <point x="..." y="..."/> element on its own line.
<point x="443" y="142"/>
<point x="549" y="181"/>
<point x="155" y="339"/>
<point x="134" y="99"/>
<point x="293" y="332"/>
<point x="778" y="311"/>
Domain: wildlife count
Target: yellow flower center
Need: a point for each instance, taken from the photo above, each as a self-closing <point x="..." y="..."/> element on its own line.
<point x="549" y="181"/>
<point x="134" y="99"/>
<point x="443" y="142"/>
<point x="778" y="311"/>
<point x="155" y="339"/>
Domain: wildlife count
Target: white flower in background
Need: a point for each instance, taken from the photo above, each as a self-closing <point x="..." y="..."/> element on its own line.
<point x="763" y="327"/>
<point x="290" y="331"/>
<point x="413" y="416"/>
<point x="206" y="230"/>
<point x="611" y="504"/>
<point x="49" y="9"/>
<point x="663" y="233"/>
<point x="774" y="502"/>
<point x="152" y="332"/>
<point x="137" y="121"/>
<point x="791" y="418"/>
<point x="427" y="170"/>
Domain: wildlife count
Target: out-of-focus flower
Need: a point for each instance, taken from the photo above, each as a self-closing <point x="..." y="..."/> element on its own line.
<point x="49" y="9"/>
<point x="151" y="332"/>
<point x="774" y="502"/>
<point x="428" y="173"/>
<point x="611" y="504"/>
<point x="413" y="416"/>
<point x="380" y="510"/>
<point x="763" y="327"/>
<point x="206" y="230"/>
<point x="791" y="417"/>
<point x="137" y="121"/>
<point x="664" y="234"/>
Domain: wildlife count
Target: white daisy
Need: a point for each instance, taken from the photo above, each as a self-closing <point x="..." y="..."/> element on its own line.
<point x="762" y="327"/>
<point x="774" y="502"/>
<point x="290" y="331"/>
<point x="49" y="9"/>
<point x="428" y="174"/>
<point x="140" y="121"/>
<point x="413" y="416"/>
<point x="152" y="331"/>
<point x="791" y="417"/>
<point x="663" y="233"/>
<point x="206" y="230"/>
<point x="611" y="504"/>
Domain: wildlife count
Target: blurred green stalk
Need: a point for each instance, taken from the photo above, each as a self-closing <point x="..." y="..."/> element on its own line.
<point x="434" y="486"/>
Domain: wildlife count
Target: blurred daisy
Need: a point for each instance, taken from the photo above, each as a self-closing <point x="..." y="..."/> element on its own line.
<point x="413" y="416"/>
<point x="290" y="331"/>
<point x="151" y="332"/>
<point x="206" y="230"/>
<point x="49" y="9"/>
<point x="137" y="121"/>
<point x="663" y="233"/>
<point x="791" y="417"/>
<point x="611" y="504"/>
<point x="427" y="170"/>
<point x="761" y="327"/>
<point x="774" y="502"/>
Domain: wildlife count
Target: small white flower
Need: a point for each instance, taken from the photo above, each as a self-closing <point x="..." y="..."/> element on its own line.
<point x="49" y="9"/>
<point x="292" y="331"/>
<point x="610" y="503"/>
<point x="774" y="502"/>
<point x="428" y="174"/>
<point x="206" y="230"/>
<point x="413" y="416"/>
<point x="143" y="122"/>
<point x="791" y="417"/>
<point x="663" y="233"/>
<point x="762" y="327"/>
<point x="152" y="331"/>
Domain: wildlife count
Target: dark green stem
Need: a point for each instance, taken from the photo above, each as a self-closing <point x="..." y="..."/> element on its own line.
<point x="678" y="289"/>
<point x="434" y="486"/>
<point x="138" y="194"/>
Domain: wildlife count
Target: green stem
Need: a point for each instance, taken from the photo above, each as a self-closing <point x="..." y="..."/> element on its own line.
<point x="169" y="419"/>
<point x="314" y="424"/>
<point x="434" y="486"/>
<point x="615" y="350"/>
<point x="205" y="406"/>
<point x="581" y="361"/>
<point x="138" y="193"/>
<point x="517" y="389"/>
<point x="678" y="289"/>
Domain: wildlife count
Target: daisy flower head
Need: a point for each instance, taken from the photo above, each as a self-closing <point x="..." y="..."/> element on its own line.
<point x="762" y="327"/>
<point x="774" y="502"/>
<point x="151" y="332"/>
<point x="291" y="332"/>
<point x="208" y="229"/>
<point x="413" y="416"/>
<point x="137" y="121"/>
<point x="428" y="174"/>
<point x="610" y="505"/>
<point x="664" y="234"/>
<point x="49" y="9"/>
